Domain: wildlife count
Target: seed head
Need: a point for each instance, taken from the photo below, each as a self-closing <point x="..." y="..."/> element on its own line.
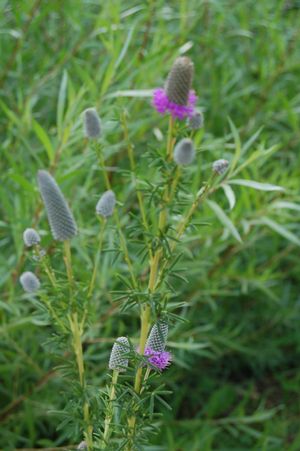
<point x="117" y="360"/>
<point x="29" y="282"/>
<point x="62" y="223"/>
<point x="179" y="81"/>
<point x="196" y="120"/>
<point x="220" y="166"/>
<point x="92" y="123"/>
<point x="158" y="336"/>
<point x="31" y="237"/>
<point x="106" y="204"/>
<point x="184" y="152"/>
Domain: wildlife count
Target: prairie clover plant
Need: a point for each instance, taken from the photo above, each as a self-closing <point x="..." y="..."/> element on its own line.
<point x="121" y="416"/>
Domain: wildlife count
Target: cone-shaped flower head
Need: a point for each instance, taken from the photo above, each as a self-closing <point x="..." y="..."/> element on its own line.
<point x="92" y="123"/>
<point x="117" y="360"/>
<point x="195" y="121"/>
<point x="62" y="223"/>
<point x="184" y="152"/>
<point x="220" y="166"/>
<point x="179" y="81"/>
<point x="29" y="282"/>
<point x="177" y="98"/>
<point x="158" y="336"/>
<point x="31" y="237"/>
<point x="106" y="204"/>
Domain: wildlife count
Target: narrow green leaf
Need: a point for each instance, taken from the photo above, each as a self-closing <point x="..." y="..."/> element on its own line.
<point x="280" y="229"/>
<point x="22" y="181"/>
<point x="237" y="143"/>
<point x="61" y="102"/>
<point x="44" y="139"/>
<point x="125" y="47"/>
<point x="229" y="193"/>
<point x="251" y="140"/>
<point x="131" y="93"/>
<point x="255" y="156"/>
<point x="256" y="185"/>
<point x="284" y="204"/>
<point x="223" y="218"/>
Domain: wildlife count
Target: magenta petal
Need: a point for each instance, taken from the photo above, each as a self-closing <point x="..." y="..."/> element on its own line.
<point x="159" y="359"/>
<point x="162" y="104"/>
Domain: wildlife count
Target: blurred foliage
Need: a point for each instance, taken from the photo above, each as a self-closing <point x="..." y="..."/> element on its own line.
<point x="235" y="377"/>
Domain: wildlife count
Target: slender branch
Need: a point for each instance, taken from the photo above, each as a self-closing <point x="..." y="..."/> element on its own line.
<point x="117" y="219"/>
<point x="97" y="258"/>
<point x="154" y="266"/>
<point x="133" y="172"/>
<point x="110" y="409"/>
<point x="77" y="331"/>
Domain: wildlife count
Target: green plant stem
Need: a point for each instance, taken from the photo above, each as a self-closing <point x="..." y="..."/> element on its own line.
<point x="49" y="273"/>
<point x="154" y="266"/>
<point x="47" y="268"/>
<point x="97" y="258"/>
<point x="133" y="171"/>
<point x="77" y="331"/>
<point x="46" y="301"/>
<point x="185" y="222"/>
<point x="68" y="264"/>
<point x="118" y="223"/>
<point x="110" y="409"/>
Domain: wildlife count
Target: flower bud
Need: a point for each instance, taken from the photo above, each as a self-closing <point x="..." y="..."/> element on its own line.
<point x="106" y="204"/>
<point x="184" y="152"/>
<point x="62" y="223"/>
<point x="196" y="120"/>
<point x="29" y="282"/>
<point x="158" y="336"/>
<point x="92" y="123"/>
<point x="117" y="360"/>
<point x="179" y="81"/>
<point x="220" y="166"/>
<point x="31" y="237"/>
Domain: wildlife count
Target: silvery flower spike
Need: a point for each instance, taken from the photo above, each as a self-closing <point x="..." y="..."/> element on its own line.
<point x="158" y="336"/>
<point x="179" y="81"/>
<point x="184" y="152"/>
<point x="29" y="282"/>
<point x="195" y="121"/>
<point x="31" y="237"/>
<point x="92" y="123"/>
<point x="106" y="204"/>
<point x="220" y="166"/>
<point x="117" y="360"/>
<point x="62" y="223"/>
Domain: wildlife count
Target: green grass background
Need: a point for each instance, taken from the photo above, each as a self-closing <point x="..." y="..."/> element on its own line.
<point x="235" y="377"/>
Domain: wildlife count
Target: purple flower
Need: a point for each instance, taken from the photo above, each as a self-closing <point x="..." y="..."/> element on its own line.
<point x="163" y="105"/>
<point x="159" y="359"/>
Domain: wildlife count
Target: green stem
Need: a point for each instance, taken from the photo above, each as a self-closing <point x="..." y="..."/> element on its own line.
<point x="110" y="409"/>
<point x="46" y="301"/>
<point x="154" y="266"/>
<point x="77" y="346"/>
<point x="133" y="171"/>
<point x="184" y="223"/>
<point x="117" y="219"/>
<point x="97" y="258"/>
<point x="68" y="264"/>
<point x="47" y="268"/>
<point x="77" y="331"/>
